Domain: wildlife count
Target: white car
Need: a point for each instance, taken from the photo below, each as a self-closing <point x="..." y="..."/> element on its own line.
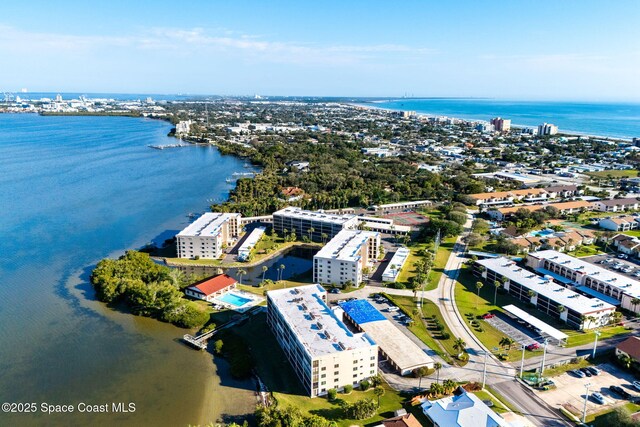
<point x="392" y="309"/>
<point x="598" y="397"/>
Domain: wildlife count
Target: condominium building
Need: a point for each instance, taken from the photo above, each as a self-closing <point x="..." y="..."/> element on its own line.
<point x="394" y="267"/>
<point x="244" y="252"/>
<point x="313" y="224"/>
<point x="501" y="125"/>
<point x="207" y="236"/>
<point x="343" y="258"/>
<point x="323" y="352"/>
<point x="589" y="278"/>
<point x="547" y="129"/>
<point x="558" y="301"/>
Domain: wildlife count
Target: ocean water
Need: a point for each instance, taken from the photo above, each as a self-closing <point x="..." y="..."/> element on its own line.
<point x="619" y="120"/>
<point x="74" y="190"/>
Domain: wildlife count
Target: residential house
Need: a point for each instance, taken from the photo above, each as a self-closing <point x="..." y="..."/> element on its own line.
<point x="461" y="410"/>
<point x="629" y="347"/>
<point x="626" y="244"/>
<point x="565" y="208"/>
<point x="406" y="420"/>
<point x="616" y="205"/>
<point x="619" y="223"/>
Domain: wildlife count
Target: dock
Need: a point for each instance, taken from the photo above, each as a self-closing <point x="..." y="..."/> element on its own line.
<point x="200" y="342"/>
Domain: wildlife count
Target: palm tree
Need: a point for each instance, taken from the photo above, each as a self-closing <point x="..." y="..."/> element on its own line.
<point x="532" y="294"/>
<point x="436" y="389"/>
<point x="310" y="231"/>
<point x="479" y="286"/>
<point x="591" y="319"/>
<point x="324" y="237"/>
<point x="497" y="284"/>
<point x="280" y="270"/>
<point x="507" y="342"/>
<point x="560" y="308"/>
<point x="634" y="302"/>
<point x="378" y="391"/>
<point x="240" y="272"/>
<point x="459" y="344"/>
<point x="264" y="271"/>
<point x="437" y="366"/>
<point x="449" y="385"/>
<point x="421" y="372"/>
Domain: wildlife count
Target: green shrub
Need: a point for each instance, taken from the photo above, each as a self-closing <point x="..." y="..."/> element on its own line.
<point x="365" y="385"/>
<point x="348" y="389"/>
<point x="445" y="335"/>
<point x="332" y="393"/>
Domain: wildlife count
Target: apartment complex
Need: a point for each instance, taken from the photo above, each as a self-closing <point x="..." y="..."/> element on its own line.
<point x="501" y="125"/>
<point x="343" y="258"/>
<point x="564" y="208"/>
<point x="312" y="224"/>
<point x="589" y="278"/>
<point x="208" y="235"/>
<point x="547" y="129"/>
<point x="244" y="252"/>
<point x="322" y="351"/>
<point x="545" y="294"/>
<point x="507" y="198"/>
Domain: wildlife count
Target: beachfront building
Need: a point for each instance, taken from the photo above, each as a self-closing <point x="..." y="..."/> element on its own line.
<point x="547" y="129"/>
<point x="323" y="352"/>
<point x="396" y="263"/>
<point x="342" y="259"/>
<point x="401" y="353"/>
<point x="501" y="125"/>
<point x="254" y="237"/>
<point x="208" y="235"/>
<point x="589" y="278"/>
<point x="461" y="410"/>
<point x="312" y="224"/>
<point x="211" y="288"/>
<point x="545" y="294"/>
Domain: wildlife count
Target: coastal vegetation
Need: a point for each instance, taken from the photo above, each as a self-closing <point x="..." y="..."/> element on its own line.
<point x="147" y="289"/>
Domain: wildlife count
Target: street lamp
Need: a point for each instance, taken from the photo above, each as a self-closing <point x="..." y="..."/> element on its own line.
<point x="586" y="397"/>
<point x="595" y="344"/>
<point x="522" y="361"/>
<point x="484" y="370"/>
<point x="544" y="355"/>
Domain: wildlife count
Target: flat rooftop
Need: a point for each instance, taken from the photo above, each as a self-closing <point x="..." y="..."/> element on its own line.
<point x="393" y="342"/>
<point x="346" y="245"/>
<point x="298" y="213"/>
<point x="316" y="326"/>
<point x="252" y="239"/>
<point x="207" y="225"/>
<point x="545" y="286"/>
<point x="624" y="283"/>
<point x="397" y="260"/>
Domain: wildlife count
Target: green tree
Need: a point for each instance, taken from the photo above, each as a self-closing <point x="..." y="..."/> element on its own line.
<point x="479" y="286"/>
<point x="218" y="346"/>
<point x="437" y="366"/>
<point x="420" y="372"/>
<point x="264" y="271"/>
<point x="459" y="345"/>
<point x="378" y="392"/>
<point x="496" y="284"/>
<point x="241" y="272"/>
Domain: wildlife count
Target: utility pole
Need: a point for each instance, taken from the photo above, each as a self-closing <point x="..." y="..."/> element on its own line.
<point x="595" y="345"/>
<point x="544" y="355"/>
<point x="586" y="397"/>
<point x="484" y="371"/>
<point x="522" y="362"/>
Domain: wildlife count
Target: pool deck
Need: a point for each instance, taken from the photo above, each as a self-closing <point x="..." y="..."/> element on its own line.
<point x="253" y="300"/>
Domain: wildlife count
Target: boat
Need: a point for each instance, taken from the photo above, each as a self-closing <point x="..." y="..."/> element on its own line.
<point x="228" y="180"/>
<point x="243" y="173"/>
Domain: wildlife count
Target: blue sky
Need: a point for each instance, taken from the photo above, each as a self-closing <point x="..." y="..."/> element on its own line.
<point x="558" y="50"/>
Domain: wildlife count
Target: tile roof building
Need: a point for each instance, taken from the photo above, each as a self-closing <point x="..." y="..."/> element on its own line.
<point x="210" y="288"/>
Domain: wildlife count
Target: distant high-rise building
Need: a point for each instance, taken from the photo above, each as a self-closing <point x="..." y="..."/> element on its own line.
<point x="547" y="129"/>
<point x="58" y="98"/>
<point x="501" y="125"/>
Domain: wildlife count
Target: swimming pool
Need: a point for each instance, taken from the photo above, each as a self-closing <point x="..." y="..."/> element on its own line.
<point x="234" y="299"/>
<point x="541" y="233"/>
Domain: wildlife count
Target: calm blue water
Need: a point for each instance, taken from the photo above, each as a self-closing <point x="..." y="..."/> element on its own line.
<point x="233" y="299"/>
<point x="620" y="120"/>
<point x="72" y="191"/>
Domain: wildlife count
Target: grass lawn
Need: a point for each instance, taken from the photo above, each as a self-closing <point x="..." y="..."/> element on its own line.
<point x="580" y="338"/>
<point x="274" y="369"/>
<point x="444" y="251"/>
<point x="586" y="250"/>
<point x="634" y="233"/>
<point x="554" y="372"/>
<point x="427" y="334"/>
<point x="498" y="406"/>
<point x="613" y="173"/>
<point x="599" y="419"/>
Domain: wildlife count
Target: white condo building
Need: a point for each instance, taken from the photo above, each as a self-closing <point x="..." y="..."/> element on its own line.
<point x="323" y="352"/>
<point x="207" y="236"/>
<point x="313" y="224"/>
<point x="343" y="258"/>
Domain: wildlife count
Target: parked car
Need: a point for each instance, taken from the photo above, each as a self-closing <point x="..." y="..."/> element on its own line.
<point x="577" y="373"/>
<point x="533" y="346"/>
<point x="598" y="397"/>
<point x="622" y="256"/>
<point x="547" y="383"/>
<point x="488" y="316"/>
<point x="593" y="370"/>
<point x="334" y="291"/>
<point x="620" y="391"/>
<point x="636" y="384"/>
<point x="586" y="372"/>
<point x="392" y="309"/>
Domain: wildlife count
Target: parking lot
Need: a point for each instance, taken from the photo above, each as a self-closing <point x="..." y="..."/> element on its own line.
<point x="625" y="267"/>
<point x="520" y="333"/>
<point x="570" y="390"/>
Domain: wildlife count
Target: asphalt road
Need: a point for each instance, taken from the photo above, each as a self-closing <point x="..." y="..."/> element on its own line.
<point x="530" y="405"/>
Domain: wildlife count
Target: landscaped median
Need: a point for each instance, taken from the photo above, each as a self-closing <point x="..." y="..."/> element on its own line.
<point x="440" y="262"/>
<point x="431" y="328"/>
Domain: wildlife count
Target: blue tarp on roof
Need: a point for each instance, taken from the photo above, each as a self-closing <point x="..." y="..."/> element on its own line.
<point x="361" y="311"/>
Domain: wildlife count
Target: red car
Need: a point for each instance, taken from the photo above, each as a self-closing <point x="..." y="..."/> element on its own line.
<point x="488" y="316"/>
<point x="533" y="346"/>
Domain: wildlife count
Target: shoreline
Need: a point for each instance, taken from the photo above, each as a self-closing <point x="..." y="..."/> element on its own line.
<point x="568" y="132"/>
